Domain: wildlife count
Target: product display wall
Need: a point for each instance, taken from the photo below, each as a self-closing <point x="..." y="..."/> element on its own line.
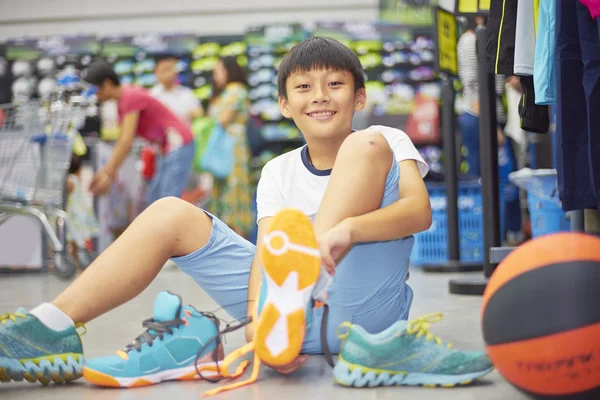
<point x="267" y="45"/>
<point x="34" y="63"/>
<point x="398" y="60"/>
<point x="134" y="57"/>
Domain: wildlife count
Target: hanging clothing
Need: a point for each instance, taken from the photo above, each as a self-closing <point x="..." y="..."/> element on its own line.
<point x="525" y="38"/>
<point x="578" y="105"/>
<point x="544" y="73"/>
<point x="509" y="51"/>
<point x="502" y="23"/>
<point x="534" y="118"/>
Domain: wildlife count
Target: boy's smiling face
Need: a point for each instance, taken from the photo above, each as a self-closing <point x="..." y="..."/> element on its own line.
<point x="322" y="102"/>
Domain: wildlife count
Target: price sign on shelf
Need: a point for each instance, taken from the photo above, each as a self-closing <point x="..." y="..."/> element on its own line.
<point x="446" y="37"/>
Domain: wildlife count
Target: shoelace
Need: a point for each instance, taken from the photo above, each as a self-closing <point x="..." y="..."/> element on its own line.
<point x="159" y="328"/>
<point x="221" y="373"/>
<point x="420" y="327"/>
<point x="12" y="317"/>
<point x="234" y="356"/>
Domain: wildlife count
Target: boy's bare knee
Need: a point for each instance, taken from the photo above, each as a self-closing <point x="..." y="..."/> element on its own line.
<point x="170" y="211"/>
<point x="182" y="224"/>
<point x="168" y="205"/>
<point x="370" y="145"/>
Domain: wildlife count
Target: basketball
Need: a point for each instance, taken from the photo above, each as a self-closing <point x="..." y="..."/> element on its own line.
<point x="541" y="317"/>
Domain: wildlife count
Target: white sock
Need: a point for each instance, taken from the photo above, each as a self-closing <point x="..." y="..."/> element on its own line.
<point x="52" y="317"/>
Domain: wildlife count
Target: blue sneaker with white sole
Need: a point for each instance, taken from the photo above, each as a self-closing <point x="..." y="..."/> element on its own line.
<point x="405" y="354"/>
<point x="166" y="351"/>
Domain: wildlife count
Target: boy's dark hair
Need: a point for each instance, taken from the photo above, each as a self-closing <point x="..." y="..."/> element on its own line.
<point x="99" y="71"/>
<point x="320" y="53"/>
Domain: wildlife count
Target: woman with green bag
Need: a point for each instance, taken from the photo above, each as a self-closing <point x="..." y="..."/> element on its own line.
<point x="232" y="196"/>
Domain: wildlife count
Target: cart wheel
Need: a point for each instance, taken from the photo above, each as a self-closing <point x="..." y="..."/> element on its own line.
<point x="86" y="257"/>
<point x="64" y="265"/>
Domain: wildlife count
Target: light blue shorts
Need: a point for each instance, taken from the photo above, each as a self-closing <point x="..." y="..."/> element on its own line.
<point x="369" y="288"/>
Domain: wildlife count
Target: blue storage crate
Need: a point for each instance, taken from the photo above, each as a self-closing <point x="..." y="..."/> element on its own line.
<point x="545" y="209"/>
<point x="546" y="216"/>
<point x="431" y="246"/>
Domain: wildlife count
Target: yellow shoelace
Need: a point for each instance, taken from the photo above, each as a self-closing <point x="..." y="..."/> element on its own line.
<point x="420" y="327"/>
<point x="240" y="370"/>
<point x="12" y="317"/>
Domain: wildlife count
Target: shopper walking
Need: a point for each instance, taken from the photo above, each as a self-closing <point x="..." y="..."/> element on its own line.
<point x="232" y="197"/>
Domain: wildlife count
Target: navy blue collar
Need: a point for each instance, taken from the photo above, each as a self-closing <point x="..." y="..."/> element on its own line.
<point x="311" y="168"/>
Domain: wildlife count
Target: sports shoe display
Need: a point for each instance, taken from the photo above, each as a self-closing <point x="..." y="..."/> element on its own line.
<point x="30" y="350"/>
<point x="167" y="350"/>
<point x="405" y="354"/>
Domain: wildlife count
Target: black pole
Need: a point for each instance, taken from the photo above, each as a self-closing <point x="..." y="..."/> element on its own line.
<point x="450" y="167"/>
<point x="450" y="179"/>
<point x="489" y="170"/>
<point x="489" y="154"/>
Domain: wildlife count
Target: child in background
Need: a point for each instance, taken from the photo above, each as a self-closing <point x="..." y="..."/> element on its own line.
<point x="80" y="212"/>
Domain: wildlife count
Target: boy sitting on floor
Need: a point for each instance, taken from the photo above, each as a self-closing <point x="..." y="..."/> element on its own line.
<point x="365" y="195"/>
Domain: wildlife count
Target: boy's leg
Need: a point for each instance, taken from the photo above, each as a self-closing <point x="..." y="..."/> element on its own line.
<point x="177" y="332"/>
<point x="370" y="280"/>
<point x="169" y="227"/>
<point x="357" y="181"/>
<point x="47" y="335"/>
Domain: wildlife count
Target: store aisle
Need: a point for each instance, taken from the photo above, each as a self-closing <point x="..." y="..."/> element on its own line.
<point x="460" y="326"/>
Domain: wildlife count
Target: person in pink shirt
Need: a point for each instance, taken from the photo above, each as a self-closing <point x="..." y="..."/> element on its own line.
<point x="143" y="115"/>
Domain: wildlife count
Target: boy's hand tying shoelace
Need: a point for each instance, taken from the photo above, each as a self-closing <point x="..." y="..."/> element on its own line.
<point x="334" y="243"/>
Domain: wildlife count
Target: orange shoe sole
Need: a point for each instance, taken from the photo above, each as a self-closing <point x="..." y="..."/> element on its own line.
<point x="184" y="374"/>
<point x="291" y="265"/>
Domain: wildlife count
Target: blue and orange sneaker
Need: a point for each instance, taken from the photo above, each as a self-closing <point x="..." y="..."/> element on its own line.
<point x="291" y="268"/>
<point x="30" y="350"/>
<point x="404" y="354"/>
<point x="167" y="350"/>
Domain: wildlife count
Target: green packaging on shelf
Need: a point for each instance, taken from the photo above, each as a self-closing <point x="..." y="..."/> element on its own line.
<point x="28" y="48"/>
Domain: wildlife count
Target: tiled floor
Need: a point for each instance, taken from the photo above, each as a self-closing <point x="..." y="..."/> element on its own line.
<point x="461" y="326"/>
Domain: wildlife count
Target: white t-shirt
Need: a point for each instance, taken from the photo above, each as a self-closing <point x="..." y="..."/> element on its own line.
<point x="180" y="99"/>
<point x="291" y="181"/>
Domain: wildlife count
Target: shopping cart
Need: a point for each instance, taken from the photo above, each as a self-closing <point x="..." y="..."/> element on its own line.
<point x="36" y="142"/>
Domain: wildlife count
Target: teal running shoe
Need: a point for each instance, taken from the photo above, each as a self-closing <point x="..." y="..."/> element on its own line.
<point x="405" y="354"/>
<point x="30" y="350"/>
<point x="167" y="350"/>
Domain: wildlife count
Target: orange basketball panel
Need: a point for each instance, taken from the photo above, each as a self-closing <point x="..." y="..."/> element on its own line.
<point x="551" y="249"/>
<point x="564" y="363"/>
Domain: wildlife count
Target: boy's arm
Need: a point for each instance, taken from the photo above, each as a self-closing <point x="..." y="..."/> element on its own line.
<point x="255" y="276"/>
<point x="409" y="215"/>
